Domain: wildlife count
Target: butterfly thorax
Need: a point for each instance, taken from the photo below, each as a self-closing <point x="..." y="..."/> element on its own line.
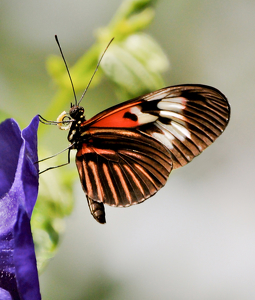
<point x="77" y="114"/>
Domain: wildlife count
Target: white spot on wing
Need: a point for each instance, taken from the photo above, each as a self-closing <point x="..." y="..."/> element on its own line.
<point x="170" y="114"/>
<point x="135" y="110"/>
<point x="173" y="131"/>
<point x="182" y="129"/>
<point x="166" y="105"/>
<point x="165" y="138"/>
<point x="146" y="118"/>
<point x="143" y="118"/>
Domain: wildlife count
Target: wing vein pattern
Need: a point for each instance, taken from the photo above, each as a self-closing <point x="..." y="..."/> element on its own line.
<point x="121" y="167"/>
<point x="190" y="118"/>
<point x="126" y="153"/>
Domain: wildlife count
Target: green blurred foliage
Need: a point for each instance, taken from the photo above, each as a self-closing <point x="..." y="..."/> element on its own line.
<point x="125" y="27"/>
<point x="54" y="203"/>
<point x="134" y="65"/>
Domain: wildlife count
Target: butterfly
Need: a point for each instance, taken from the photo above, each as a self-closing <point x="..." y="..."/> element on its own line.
<point x="126" y="153"/>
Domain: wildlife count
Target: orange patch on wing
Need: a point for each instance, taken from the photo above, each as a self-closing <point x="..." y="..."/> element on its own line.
<point x="116" y="120"/>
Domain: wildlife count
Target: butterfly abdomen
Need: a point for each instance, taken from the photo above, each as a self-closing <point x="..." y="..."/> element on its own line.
<point x="97" y="210"/>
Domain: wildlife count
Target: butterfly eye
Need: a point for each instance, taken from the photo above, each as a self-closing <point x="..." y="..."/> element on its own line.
<point x="64" y="121"/>
<point x="76" y="112"/>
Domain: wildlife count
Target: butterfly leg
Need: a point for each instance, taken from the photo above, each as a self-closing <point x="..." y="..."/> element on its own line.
<point x="68" y="161"/>
<point x="97" y="210"/>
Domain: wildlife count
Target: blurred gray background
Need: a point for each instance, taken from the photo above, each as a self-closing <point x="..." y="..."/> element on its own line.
<point x="196" y="238"/>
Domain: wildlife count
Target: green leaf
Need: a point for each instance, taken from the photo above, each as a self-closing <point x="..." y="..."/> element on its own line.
<point x="135" y="64"/>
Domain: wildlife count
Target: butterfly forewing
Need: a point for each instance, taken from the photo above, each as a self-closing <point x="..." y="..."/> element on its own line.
<point x="126" y="153"/>
<point x="190" y="118"/>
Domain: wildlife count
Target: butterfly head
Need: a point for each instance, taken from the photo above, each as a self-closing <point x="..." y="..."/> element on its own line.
<point x="76" y="116"/>
<point x="76" y="112"/>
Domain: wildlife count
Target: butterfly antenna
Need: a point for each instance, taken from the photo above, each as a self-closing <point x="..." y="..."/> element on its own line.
<point x="85" y="91"/>
<point x="56" y="38"/>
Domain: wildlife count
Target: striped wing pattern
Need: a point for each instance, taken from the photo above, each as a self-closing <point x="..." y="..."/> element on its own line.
<point x="122" y="167"/>
<point x="190" y="118"/>
<point x="126" y="153"/>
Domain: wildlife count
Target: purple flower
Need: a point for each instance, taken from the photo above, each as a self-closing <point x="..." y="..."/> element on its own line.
<point x="18" y="193"/>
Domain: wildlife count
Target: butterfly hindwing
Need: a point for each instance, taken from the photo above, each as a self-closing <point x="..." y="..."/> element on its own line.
<point x="122" y="167"/>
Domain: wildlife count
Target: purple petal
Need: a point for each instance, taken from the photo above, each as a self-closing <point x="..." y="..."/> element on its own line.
<point x="24" y="258"/>
<point x="5" y="295"/>
<point x="29" y="173"/>
<point x="18" y="269"/>
<point x="11" y="142"/>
